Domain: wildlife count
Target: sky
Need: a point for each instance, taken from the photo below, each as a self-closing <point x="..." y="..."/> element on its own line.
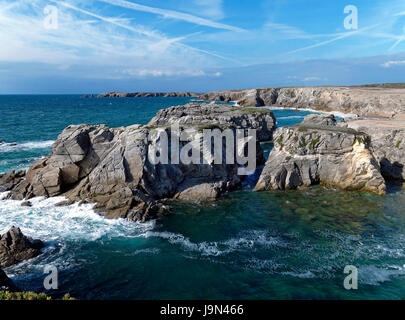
<point x="51" y="46"/>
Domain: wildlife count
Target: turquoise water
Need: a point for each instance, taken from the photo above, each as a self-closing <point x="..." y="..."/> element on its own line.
<point x="248" y="245"/>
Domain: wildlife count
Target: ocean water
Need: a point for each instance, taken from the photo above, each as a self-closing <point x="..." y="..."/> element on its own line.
<point x="247" y="245"/>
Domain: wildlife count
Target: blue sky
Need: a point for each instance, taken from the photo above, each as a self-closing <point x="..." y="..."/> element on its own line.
<point x="199" y="45"/>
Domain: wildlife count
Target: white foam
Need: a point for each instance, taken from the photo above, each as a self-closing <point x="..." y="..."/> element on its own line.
<point x="373" y="275"/>
<point x="217" y="248"/>
<point x="30" y="145"/>
<point x="290" y="117"/>
<point x="48" y="222"/>
<point x="303" y="275"/>
<point x="335" y="113"/>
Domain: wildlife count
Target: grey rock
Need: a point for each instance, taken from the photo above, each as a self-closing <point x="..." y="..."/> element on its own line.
<point x="6" y="284"/>
<point x="382" y="101"/>
<point x="15" y="247"/>
<point x="110" y="167"/>
<point x="387" y="144"/>
<point x="320" y="119"/>
<point x="26" y="204"/>
<point x="206" y="115"/>
<point x="8" y="181"/>
<point x="114" y="94"/>
<point x="309" y="154"/>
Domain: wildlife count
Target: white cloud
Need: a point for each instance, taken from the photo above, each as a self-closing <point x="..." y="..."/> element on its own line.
<point x="163" y="73"/>
<point x="210" y="8"/>
<point x="102" y="47"/>
<point x="389" y="64"/>
<point x="309" y="79"/>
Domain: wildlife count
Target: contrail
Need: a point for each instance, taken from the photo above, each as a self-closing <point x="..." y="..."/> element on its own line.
<point x="172" y="14"/>
<point x="173" y="41"/>
<point x="342" y="36"/>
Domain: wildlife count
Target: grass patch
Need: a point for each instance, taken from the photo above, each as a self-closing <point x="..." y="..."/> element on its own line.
<point x="313" y="143"/>
<point x="6" y="295"/>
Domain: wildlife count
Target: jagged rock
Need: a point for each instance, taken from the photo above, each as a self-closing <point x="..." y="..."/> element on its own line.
<point x="381" y="101"/>
<point x="6" y="284"/>
<point x="111" y="167"/>
<point x="309" y="154"/>
<point x="320" y="119"/>
<point x="262" y="120"/>
<point x="15" y="247"/>
<point x="114" y="94"/>
<point x="387" y="144"/>
<point x="26" y="204"/>
<point x="9" y="180"/>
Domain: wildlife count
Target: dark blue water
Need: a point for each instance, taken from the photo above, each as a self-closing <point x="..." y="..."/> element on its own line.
<point x="248" y="245"/>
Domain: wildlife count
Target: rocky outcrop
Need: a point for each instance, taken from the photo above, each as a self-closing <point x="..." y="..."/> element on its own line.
<point x="387" y="144"/>
<point x="313" y="153"/>
<point x="6" y="284"/>
<point x="195" y="114"/>
<point x="111" y="167"/>
<point x="381" y="101"/>
<point x="115" y="94"/>
<point x="8" y="181"/>
<point x="15" y="247"/>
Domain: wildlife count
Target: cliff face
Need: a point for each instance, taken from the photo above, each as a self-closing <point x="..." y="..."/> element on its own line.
<point x="387" y="144"/>
<point x="317" y="151"/>
<point x="386" y="102"/>
<point x="114" y="94"/>
<point x="111" y="167"/>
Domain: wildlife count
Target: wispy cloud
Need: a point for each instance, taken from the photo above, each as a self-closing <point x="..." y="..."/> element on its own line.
<point x="102" y="47"/>
<point x="339" y="37"/>
<point x="172" y="14"/>
<point x="209" y="8"/>
<point x="391" y="63"/>
<point x="163" y="42"/>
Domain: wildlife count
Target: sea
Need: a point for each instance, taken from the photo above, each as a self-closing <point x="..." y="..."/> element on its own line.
<point x="246" y="245"/>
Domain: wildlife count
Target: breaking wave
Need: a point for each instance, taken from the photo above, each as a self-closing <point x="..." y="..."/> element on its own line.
<point x="30" y="145"/>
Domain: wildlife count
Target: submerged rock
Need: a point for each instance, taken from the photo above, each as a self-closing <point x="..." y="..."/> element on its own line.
<point x="111" y="167"/>
<point x="15" y="247"/>
<point x="310" y="153"/>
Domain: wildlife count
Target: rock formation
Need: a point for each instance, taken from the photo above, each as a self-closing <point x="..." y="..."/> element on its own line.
<point x="261" y="120"/>
<point x="317" y="152"/>
<point x="387" y="144"/>
<point x="9" y="180"/>
<point x="6" y="284"/>
<point x="381" y="101"/>
<point x="111" y="167"/>
<point x="114" y="94"/>
<point x="15" y="247"/>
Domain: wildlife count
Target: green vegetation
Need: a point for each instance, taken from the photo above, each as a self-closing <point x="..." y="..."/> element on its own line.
<point x="303" y="142"/>
<point x="313" y="143"/>
<point x="256" y="110"/>
<point x="280" y="141"/>
<point x="211" y="126"/>
<point x="398" y="143"/>
<point x="6" y="295"/>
